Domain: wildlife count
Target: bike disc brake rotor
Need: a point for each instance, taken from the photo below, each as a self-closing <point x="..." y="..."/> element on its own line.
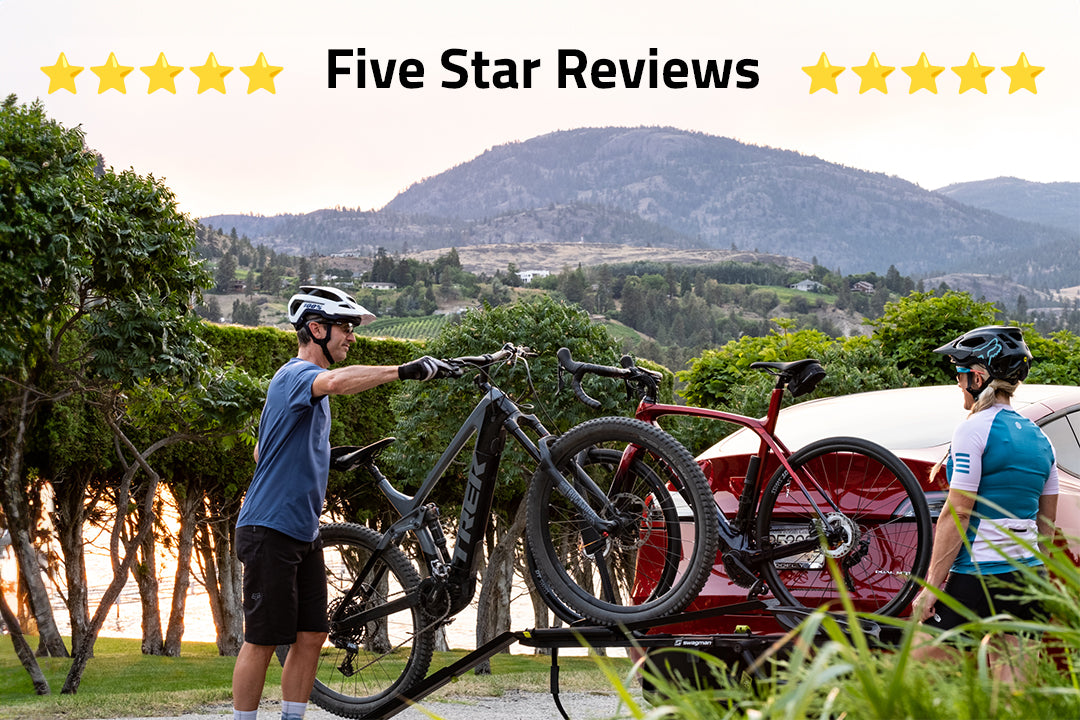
<point x="845" y="529"/>
<point x="637" y="517"/>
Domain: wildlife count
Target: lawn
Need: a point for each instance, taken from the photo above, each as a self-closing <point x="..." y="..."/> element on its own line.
<point x="121" y="682"/>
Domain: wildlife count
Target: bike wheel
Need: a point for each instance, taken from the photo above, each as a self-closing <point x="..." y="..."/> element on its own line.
<point x="363" y="666"/>
<point x="883" y="529"/>
<point x="656" y="558"/>
<point x="540" y="585"/>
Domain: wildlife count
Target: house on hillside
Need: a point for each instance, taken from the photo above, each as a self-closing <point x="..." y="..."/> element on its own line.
<point x="527" y="276"/>
<point x="863" y="287"/>
<point x="380" y="286"/>
<point x="808" y="286"/>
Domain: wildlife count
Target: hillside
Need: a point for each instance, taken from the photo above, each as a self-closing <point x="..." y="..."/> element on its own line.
<point x="727" y="193"/>
<point x="1054" y="204"/>
<point x="556" y="256"/>
<point x="668" y="188"/>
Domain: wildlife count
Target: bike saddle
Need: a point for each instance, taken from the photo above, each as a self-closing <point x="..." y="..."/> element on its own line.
<point x="802" y="376"/>
<point x="350" y="457"/>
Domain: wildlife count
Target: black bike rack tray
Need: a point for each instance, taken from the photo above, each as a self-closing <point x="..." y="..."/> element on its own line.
<point x="738" y="649"/>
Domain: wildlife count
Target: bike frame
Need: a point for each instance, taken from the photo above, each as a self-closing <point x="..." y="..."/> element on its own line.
<point x="494" y="416"/>
<point x="734" y="534"/>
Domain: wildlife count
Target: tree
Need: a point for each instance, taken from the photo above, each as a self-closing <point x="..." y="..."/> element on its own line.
<point x="512" y="278"/>
<point x="910" y="329"/>
<point x="245" y="313"/>
<point x="225" y="275"/>
<point x="95" y="286"/>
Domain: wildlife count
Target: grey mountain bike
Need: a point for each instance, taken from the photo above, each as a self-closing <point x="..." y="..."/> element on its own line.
<point x="620" y="540"/>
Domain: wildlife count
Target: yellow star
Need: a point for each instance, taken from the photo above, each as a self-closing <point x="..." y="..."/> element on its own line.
<point x="162" y="75"/>
<point x="1022" y="75"/>
<point x="260" y="75"/>
<point x="211" y="75"/>
<point x="61" y="75"/>
<point x="973" y="75"/>
<point x="923" y="75"/>
<point x="111" y="75"/>
<point x="823" y="75"/>
<point x="873" y="75"/>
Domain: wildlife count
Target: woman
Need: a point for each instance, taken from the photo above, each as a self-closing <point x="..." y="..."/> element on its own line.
<point x="1003" y="488"/>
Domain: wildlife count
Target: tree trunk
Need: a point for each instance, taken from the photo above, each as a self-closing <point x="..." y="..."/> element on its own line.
<point x="121" y="566"/>
<point x="493" y="606"/>
<point x="187" y="508"/>
<point x="223" y="580"/>
<point x="23" y="650"/>
<point x="145" y="572"/>
<point x="16" y="507"/>
<point x="68" y="518"/>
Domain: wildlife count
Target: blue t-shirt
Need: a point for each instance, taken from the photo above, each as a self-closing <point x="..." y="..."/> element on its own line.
<point x="289" y="486"/>
<point x="1008" y="461"/>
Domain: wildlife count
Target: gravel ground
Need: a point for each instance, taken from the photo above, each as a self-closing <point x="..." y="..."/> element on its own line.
<point x="513" y="705"/>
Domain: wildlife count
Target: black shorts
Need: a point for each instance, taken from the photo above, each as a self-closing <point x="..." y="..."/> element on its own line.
<point x="284" y="586"/>
<point x="985" y="600"/>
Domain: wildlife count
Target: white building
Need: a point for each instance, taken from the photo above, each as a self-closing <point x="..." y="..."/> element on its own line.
<point x="527" y="276"/>
<point x="807" y="285"/>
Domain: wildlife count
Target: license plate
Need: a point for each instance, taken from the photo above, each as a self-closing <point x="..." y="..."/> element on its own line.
<point x="786" y="534"/>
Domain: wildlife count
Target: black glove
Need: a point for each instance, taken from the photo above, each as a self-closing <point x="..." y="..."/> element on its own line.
<point x="426" y="368"/>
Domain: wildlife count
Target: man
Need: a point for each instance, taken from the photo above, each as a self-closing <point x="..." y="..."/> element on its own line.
<point x="277" y="533"/>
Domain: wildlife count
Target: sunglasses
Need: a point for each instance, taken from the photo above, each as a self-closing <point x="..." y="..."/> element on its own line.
<point x="345" y="327"/>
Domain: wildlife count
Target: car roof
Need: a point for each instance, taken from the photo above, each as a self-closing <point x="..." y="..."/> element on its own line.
<point x="900" y="419"/>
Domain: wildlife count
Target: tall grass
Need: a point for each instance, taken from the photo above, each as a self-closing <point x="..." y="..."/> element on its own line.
<point x="822" y="670"/>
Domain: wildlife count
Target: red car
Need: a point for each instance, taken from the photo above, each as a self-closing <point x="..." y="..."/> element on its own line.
<point x="916" y="424"/>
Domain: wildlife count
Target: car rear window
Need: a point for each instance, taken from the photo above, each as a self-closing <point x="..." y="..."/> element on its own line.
<point x="1063" y="434"/>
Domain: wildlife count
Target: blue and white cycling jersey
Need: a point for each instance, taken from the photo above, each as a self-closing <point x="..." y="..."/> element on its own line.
<point x="1008" y="461"/>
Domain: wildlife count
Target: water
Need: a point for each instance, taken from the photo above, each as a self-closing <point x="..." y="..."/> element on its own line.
<point x="125" y="617"/>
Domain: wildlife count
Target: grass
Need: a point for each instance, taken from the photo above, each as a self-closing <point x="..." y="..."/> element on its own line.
<point x="122" y="682"/>
<point x="831" y="674"/>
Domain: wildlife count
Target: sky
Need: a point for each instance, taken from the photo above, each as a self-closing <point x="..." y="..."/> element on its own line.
<point x="287" y="141"/>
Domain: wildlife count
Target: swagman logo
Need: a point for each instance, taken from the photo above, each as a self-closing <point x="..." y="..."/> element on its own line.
<point x="693" y="642"/>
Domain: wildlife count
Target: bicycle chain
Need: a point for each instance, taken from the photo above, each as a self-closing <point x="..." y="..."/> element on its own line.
<point x="346" y="667"/>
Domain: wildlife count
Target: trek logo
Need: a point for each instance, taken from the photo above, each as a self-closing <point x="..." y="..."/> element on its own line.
<point x="468" y="511"/>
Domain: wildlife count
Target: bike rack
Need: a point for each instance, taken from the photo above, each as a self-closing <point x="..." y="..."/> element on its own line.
<point x="738" y="649"/>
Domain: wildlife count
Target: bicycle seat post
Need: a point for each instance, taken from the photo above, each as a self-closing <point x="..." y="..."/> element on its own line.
<point x="775" y="400"/>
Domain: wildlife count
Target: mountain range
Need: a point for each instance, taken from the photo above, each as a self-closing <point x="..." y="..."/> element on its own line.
<point x="664" y="187"/>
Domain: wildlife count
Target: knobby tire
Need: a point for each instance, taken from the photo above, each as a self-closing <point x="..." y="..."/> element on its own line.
<point x="658" y="560"/>
<point x="393" y="653"/>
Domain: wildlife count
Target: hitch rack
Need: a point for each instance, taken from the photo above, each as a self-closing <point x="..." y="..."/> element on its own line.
<point x="740" y="649"/>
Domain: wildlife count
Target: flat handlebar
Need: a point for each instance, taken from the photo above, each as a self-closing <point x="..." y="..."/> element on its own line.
<point x="509" y="351"/>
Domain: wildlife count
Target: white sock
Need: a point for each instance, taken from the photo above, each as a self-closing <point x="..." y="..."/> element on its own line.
<point x="292" y="710"/>
<point x="245" y="714"/>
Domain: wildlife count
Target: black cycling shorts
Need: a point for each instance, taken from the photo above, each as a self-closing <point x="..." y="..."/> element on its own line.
<point x="284" y="586"/>
<point x="985" y="600"/>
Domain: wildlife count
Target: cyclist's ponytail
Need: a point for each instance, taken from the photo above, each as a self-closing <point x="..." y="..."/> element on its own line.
<point x="996" y="390"/>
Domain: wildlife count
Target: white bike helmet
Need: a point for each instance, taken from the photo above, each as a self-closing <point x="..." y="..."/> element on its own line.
<point x="327" y="303"/>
